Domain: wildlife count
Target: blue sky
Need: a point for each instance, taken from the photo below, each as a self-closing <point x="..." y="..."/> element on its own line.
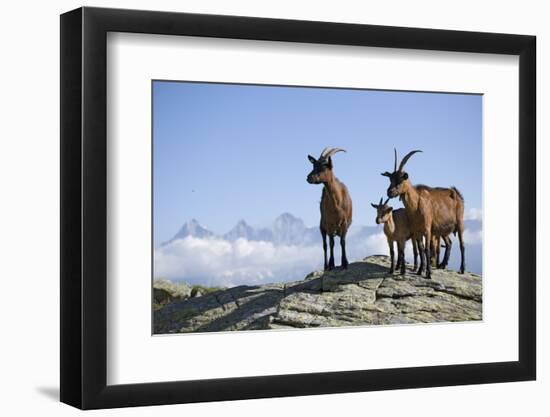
<point x="223" y="152"/>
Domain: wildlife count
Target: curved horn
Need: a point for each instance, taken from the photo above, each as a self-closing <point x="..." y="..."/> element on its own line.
<point x="380" y="203"/>
<point x="406" y="158"/>
<point x="328" y="152"/>
<point x="394" y="159"/>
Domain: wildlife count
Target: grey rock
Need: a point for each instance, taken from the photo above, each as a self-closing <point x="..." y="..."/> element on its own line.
<point x="161" y="296"/>
<point x="364" y="294"/>
<point x="167" y="290"/>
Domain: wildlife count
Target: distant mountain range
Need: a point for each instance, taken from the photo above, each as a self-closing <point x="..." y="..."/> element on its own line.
<point x="287" y="229"/>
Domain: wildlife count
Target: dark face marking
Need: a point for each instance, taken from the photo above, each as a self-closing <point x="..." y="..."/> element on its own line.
<point x="397" y="178"/>
<point x="321" y="167"/>
<point x="383" y="213"/>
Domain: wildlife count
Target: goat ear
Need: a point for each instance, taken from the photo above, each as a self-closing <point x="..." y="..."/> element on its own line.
<point x="386" y="174"/>
<point x="405" y="176"/>
<point x="329" y="162"/>
<point x="311" y="159"/>
<point x="374" y="205"/>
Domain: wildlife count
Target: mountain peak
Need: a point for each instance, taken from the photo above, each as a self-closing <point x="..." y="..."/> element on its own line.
<point x="288" y="229"/>
<point x="287" y="216"/>
<point x="192" y="228"/>
<point x="243" y="230"/>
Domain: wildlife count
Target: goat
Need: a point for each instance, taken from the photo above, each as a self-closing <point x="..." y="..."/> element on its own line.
<point x="336" y="206"/>
<point x="396" y="229"/>
<point x="435" y="247"/>
<point x="431" y="211"/>
<point x="435" y="244"/>
<point x="440" y="192"/>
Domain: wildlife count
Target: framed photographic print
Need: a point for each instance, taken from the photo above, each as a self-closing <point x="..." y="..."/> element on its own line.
<point x="258" y="207"/>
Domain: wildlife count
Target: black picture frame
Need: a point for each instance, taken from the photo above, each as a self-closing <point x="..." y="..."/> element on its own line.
<point x="84" y="207"/>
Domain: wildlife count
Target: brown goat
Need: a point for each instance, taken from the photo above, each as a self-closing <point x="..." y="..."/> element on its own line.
<point x="431" y="211"/>
<point x="336" y="207"/>
<point x="443" y="193"/>
<point x="435" y="248"/>
<point x="396" y="229"/>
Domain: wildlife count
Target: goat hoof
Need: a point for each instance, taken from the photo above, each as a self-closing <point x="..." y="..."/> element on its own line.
<point x="419" y="272"/>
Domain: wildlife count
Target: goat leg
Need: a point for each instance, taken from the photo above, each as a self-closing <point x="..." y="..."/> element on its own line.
<point x="343" y="247"/>
<point x="428" y="235"/>
<point x="401" y="257"/>
<point x="415" y="252"/>
<point x="398" y="264"/>
<point x="434" y="251"/>
<point x="390" y="245"/>
<point x="462" y="255"/>
<point x="331" y="259"/>
<point x="324" y="236"/>
<point x="448" y="245"/>
<point x="422" y="254"/>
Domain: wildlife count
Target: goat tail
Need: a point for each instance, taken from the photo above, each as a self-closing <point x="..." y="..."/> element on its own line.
<point x="458" y="193"/>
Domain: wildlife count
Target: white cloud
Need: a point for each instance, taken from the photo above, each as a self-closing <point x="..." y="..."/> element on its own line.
<point x="216" y="262"/>
<point x="473" y="214"/>
<point x="375" y="244"/>
<point x="473" y="237"/>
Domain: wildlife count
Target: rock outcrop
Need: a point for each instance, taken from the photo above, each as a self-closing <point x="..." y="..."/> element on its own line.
<point x="364" y="294"/>
<point x="165" y="292"/>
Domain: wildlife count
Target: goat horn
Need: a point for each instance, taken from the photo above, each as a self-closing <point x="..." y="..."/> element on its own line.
<point x="386" y="202"/>
<point x="328" y="152"/>
<point x="394" y="159"/>
<point x="324" y="151"/>
<point x="380" y="203"/>
<point x="406" y="158"/>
